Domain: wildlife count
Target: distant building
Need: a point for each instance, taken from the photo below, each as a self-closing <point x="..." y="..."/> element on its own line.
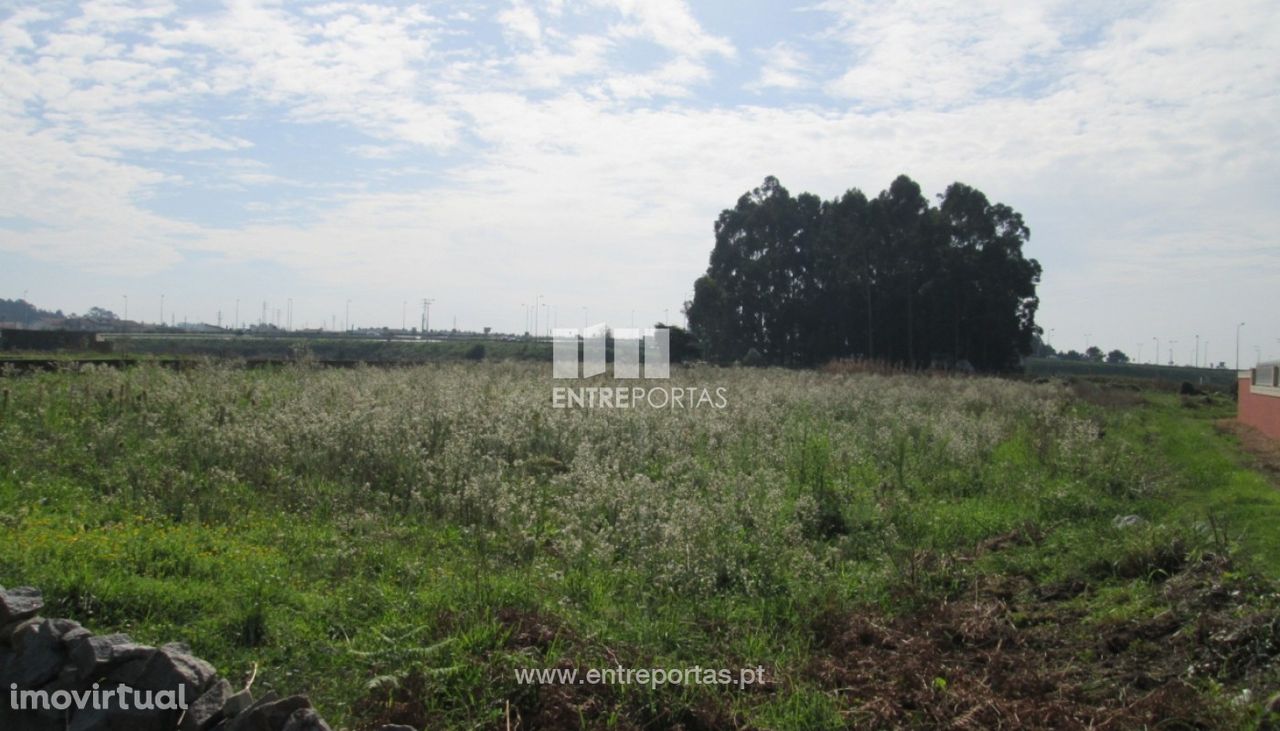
<point x="1259" y="402"/>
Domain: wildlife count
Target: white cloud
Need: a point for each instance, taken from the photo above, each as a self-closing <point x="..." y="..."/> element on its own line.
<point x="669" y="23"/>
<point x="939" y="53"/>
<point x="782" y="67"/>
<point x="521" y="21"/>
<point x="1140" y="142"/>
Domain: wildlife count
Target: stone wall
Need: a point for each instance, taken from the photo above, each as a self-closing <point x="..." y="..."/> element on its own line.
<point x="66" y="661"/>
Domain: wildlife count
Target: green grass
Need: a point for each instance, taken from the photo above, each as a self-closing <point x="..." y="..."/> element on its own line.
<point x="396" y="542"/>
<point x="1220" y="377"/>
<point x="1210" y="481"/>
<point x="286" y="347"/>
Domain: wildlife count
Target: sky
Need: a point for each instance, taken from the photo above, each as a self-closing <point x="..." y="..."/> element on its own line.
<point x="354" y="158"/>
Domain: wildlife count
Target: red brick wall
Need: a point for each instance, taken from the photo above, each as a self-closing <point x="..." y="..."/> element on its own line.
<point x="1259" y="411"/>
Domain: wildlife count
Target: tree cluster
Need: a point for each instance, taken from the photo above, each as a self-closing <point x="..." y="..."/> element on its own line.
<point x="800" y="281"/>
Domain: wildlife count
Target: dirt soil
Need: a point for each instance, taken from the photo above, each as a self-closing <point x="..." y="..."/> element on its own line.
<point x="1009" y="655"/>
<point x="1015" y="656"/>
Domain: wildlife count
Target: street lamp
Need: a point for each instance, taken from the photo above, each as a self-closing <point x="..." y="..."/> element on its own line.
<point x="1197" y="360"/>
<point x="1157" y="350"/>
<point x="1238" y="346"/>
<point x="346" y="318"/>
<point x="1172" y="342"/>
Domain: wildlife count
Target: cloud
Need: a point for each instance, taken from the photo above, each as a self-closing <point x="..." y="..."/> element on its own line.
<point x="586" y="147"/>
<point x="940" y="53"/>
<point x="669" y="23"/>
<point x="782" y="67"/>
<point x="521" y="21"/>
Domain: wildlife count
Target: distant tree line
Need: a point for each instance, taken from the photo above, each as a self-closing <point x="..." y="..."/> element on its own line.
<point x="799" y="280"/>
<point x="20" y="310"/>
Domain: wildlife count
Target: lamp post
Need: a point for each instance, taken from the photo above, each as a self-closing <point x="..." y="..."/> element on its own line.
<point x="1197" y="360"/>
<point x="346" y="318"/>
<point x="1157" y="350"/>
<point x="1238" y="346"/>
<point x="537" y="306"/>
<point x="126" y="312"/>
<point x="161" y="309"/>
<point x="1172" y="342"/>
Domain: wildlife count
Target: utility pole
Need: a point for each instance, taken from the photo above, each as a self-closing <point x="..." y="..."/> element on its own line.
<point x="346" y="318"/>
<point x="537" y="305"/>
<point x="237" y="322"/>
<point x="162" y="309"/>
<point x="1238" y="346"/>
<point x="404" y="316"/>
<point x="426" y="315"/>
<point x="1157" y="350"/>
<point x="126" y="317"/>
<point x="289" y="317"/>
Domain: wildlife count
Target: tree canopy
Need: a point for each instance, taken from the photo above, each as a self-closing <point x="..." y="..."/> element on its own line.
<point x="800" y="280"/>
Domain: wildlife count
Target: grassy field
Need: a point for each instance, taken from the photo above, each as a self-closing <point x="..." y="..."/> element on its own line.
<point x="894" y="551"/>
<point x="1219" y="377"/>
<point x="286" y="347"/>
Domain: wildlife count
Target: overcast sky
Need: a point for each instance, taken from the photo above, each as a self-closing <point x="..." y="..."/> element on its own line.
<point x="484" y="154"/>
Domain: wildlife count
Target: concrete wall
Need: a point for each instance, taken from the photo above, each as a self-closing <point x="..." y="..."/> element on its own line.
<point x="1259" y="406"/>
